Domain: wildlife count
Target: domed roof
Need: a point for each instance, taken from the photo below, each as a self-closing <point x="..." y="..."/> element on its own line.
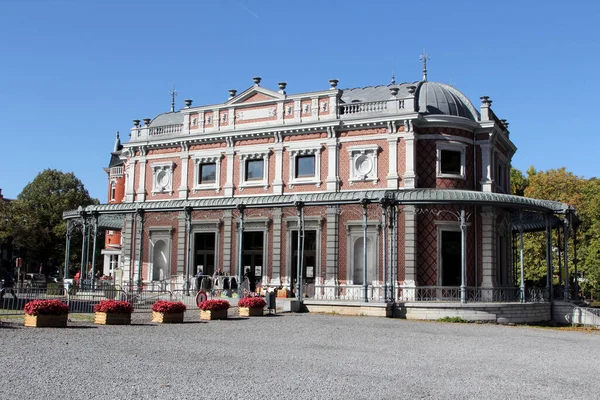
<point x="438" y="98"/>
<point x="168" y="118"/>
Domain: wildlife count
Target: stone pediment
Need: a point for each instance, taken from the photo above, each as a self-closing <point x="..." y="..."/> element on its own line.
<point x="255" y="94"/>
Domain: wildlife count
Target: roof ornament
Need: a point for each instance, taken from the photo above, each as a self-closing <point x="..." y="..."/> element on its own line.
<point x="424" y="57"/>
<point x="117" y="143"/>
<point x="393" y="78"/>
<point x="173" y="94"/>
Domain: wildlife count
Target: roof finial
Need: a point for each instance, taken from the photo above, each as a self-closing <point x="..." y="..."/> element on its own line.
<point x="393" y="77"/>
<point x="173" y="94"/>
<point x="424" y="57"/>
<point x="117" y="143"/>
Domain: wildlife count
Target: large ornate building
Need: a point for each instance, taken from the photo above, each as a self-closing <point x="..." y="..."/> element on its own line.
<point x="398" y="191"/>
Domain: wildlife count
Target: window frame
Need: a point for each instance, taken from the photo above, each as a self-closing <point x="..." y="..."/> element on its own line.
<point x="204" y="159"/>
<point x="304" y="150"/>
<point x="254" y="156"/>
<point x="456" y="147"/>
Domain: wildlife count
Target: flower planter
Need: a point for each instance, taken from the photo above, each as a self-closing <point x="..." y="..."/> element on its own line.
<point x="213" y="314"/>
<point x="46" y="321"/>
<point x="251" y="312"/>
<point x="103" y="318"/>
<point x="169" y="318"/>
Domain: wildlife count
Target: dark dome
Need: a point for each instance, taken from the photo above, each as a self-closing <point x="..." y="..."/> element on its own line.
<point x="438" y="98"/>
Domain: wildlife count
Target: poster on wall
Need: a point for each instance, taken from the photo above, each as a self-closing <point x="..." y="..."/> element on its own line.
<point x="258" y="270"/>
<point x="310" y="271"/>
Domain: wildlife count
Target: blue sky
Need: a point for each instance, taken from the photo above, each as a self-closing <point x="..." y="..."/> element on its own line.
<point x="73" y="72"/>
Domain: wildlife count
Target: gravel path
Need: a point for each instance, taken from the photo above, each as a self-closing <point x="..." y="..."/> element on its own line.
<point x="303" y="356"/>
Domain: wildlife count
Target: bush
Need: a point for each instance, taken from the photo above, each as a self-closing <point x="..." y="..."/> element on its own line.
<point x="214" y="305"/>
<point x="114" y="306"/>
<point x="46" y="307"/>
<point x="168" y="307"/>
<point x="252" y="302"/>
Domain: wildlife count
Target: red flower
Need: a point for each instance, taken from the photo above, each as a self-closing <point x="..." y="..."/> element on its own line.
<point x="168" y="307"/>
<point x="114" y="307"/>
<point x="213" y="305"/>
<point x="252" y="302"/>
<point x="46" y="307"/>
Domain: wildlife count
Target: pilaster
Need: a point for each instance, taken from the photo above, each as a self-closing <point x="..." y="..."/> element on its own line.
<point x="278" y="182"/>
<point x="332" y="179"/>
<point x="183" y="186"/>
<point x="488" y="251"/>
<point x="410" y="176"/>
<point x="392" y="176"/>
<point x="277" y="221"/>
<point x="331" y="263"/>
<point x="181" y="247"/>
<point x="486" y="167"/>
<point x="227" y="223"/>
<point x="230" y="154"/>
<point x="141" y="189"/>
<point x="410" y="245"/>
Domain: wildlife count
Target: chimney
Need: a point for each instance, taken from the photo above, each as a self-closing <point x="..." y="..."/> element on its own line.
<point x="282" y="86"/>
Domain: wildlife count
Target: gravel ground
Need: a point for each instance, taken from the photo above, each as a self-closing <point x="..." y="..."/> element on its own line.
<point x="304" y="356"/>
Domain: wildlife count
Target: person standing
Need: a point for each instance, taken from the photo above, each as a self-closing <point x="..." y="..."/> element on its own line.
<point x="8" y="284"/>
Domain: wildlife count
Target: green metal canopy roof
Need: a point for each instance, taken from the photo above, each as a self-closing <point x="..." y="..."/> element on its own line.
<point x="401" y="197"/>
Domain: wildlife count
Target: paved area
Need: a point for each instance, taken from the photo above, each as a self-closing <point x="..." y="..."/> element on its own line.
<point x="296" y="356"/>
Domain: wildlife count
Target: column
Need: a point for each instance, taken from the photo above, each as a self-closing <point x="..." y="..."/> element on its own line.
<point x="183" y="186"/>
<point x="486" y="167"/>
<point x="410" y="252"/>
<point x="488" y="250"/>
<point x="181" y="244"/>
<point x="549" y="272"/>
<point x="126" y="240"/>
<point x="331" y="252"/>
<point x="278" y="182"/>
<point x="230" y="154"/>
<point x="227" y="220"/>
<point x="141" y="189"/>
<point x="392" y="176"/>
<point x="140" y="244"/>
<point x="129" y="180"/>
<point x="332" y="163"/>
<point x="277" y="220"/>
<point x="410" y="176"/>
<point x="463" y="257"/>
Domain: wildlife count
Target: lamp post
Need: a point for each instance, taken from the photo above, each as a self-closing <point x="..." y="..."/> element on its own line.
<point x="463" y="257"/>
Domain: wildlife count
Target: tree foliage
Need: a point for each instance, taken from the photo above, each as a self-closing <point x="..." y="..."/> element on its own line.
<point x="583" y="194"/>
<point x="36" y="215"/>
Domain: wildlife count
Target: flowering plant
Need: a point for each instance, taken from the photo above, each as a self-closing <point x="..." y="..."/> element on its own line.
<point x="168" y="307"/>
<point x="46" y="307"/>
<point x="252" y="302"/>
<point x="114" y="306"/>
<point x="213" y="305"/>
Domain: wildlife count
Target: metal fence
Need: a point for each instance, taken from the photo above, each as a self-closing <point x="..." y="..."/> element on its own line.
<point x="586" y="316"/>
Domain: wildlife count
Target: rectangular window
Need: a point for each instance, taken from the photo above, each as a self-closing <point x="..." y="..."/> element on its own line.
<point x="208" y="173"/>
<point x="450" y="162"/>
<point x="254" y="170"/>
<point x="305" y="166"/>
<point x="113" y="191"/>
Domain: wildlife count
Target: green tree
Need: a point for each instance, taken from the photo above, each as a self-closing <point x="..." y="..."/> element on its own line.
<point x="37" y="224"/>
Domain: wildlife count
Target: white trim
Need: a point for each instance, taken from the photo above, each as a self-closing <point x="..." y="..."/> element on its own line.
<point x="450" y="146"/>
<point x="208" y="158"/>
<point x="249" y="155"/>
<point x="156" y="234"/>
<point x="166" y="187"/>
<point x="303" y="149"/>
<point x="363" y="163"/>
<point x="354" y="232"/>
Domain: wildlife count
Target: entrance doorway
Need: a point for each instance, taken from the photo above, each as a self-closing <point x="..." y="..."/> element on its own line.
<point x="204" y="253"/>
<point x="450" y="263"/>
<point x="309" y="261"/>
<point x="252" y="254"/>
